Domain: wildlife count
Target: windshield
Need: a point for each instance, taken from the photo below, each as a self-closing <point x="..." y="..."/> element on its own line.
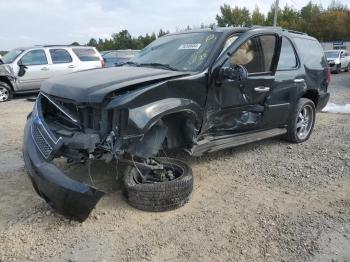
<point x="182" y="52"/>
<point x="11" y="56"/>
<point x="332" y="54"/>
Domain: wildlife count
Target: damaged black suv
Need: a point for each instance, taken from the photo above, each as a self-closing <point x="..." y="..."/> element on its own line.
<point x="200" y="91"/>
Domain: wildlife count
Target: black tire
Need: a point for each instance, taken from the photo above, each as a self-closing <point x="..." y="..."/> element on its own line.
<point x="5" y="88"/>
<point x="337" y="71"/>
<point x="293" y="135"/>
<point x="347" y="69"/>
<point x="161" y="196"/>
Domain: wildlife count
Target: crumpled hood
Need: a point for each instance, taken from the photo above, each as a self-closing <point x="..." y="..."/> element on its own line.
<point x="93" y="85"/>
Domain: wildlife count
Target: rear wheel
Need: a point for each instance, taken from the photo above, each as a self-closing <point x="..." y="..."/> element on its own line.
<point x="158" y="190"/>
<point x="347" y="69"/>
<point x="5" y="92"/>
<point x="337" y="71"/>
<point x="302" y="121"/>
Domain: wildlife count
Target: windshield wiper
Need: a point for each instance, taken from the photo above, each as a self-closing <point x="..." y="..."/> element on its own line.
<point x="169" y="67"/>
<point x="130" y="63"/>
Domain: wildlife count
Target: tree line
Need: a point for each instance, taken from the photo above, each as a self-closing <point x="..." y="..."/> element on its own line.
<point x="124" y="40"/>
<point x="330" y="24"/>
<point x="326" y="24"/>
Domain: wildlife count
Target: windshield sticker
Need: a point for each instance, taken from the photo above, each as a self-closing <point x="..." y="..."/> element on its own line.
<point x="190" y="46"/>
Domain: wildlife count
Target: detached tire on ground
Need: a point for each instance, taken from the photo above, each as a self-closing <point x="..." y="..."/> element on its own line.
<point x="159" y="196"/>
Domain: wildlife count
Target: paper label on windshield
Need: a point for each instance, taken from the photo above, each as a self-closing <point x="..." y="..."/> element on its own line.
<point x="190" y="46"/>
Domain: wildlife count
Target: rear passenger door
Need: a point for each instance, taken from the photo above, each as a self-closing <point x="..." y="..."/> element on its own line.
<point x="61" y="62"/>
<point x="289" y="77"/>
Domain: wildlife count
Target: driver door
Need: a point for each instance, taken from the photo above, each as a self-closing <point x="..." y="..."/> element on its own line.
<point x="236" y="106"/>
<point x="37" y="70"/>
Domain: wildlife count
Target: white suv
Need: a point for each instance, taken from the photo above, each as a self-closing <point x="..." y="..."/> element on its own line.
<point x="24" y="69"/>
<point x="338" y="60"/>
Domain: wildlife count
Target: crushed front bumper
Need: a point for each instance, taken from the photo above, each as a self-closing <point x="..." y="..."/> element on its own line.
<point x="68" y="197"/>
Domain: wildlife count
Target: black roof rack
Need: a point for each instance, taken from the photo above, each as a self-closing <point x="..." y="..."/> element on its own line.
<point x="61" y="45"/>
<point x="295" y="32"/>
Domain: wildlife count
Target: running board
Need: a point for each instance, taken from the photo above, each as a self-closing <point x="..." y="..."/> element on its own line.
<point x="211" y="144"/>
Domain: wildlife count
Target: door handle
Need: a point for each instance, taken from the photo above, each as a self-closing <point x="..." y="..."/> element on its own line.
<point x="45" y="68"/>
<point x="262" y="89"/>
<point x="299" y="80"/>
<point x="71" y="66"/>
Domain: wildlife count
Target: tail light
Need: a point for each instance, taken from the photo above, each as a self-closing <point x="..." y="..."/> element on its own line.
<point x="103" y="63"/>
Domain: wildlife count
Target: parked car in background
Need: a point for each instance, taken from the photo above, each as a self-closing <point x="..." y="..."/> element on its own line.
<point x="118" y="57"/>
<point x="24" y="69"/>
<point x="338" y="60"/>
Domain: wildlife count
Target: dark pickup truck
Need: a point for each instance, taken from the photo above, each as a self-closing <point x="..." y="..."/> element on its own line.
<point x="200" y="91"/>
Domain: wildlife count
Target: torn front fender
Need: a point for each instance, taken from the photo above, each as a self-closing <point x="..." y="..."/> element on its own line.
<point x="6" y="70"/>
<point x="68" y="197"/>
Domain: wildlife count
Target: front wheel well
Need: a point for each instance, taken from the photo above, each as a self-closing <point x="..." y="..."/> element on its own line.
<point x="181" y="129"/>
<point x="7" y="81"/>
<point x="312" y="95"/>
<point x="171" y="131"/>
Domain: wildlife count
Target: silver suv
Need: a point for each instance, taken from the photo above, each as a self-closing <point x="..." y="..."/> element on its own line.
<point x="24" y="69"/>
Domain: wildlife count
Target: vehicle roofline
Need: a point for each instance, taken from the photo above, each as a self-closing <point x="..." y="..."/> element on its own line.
<point x="338" y="50"/>
<point x="230" y="30"/>
<point x="51" y="46"/>
<point x="214" y="29"/>
<point x="120" y="50"/>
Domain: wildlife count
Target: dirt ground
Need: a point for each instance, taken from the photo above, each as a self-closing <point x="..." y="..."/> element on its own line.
<point x="268" y="201"/>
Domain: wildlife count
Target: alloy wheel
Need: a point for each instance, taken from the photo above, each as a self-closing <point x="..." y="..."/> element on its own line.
<point x="305" y="121"/>
<point x="4" y="94"/>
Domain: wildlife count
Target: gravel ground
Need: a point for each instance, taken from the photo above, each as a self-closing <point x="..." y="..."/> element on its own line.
<point x="268" y="201"/>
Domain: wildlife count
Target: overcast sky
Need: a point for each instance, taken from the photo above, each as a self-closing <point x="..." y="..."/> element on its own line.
<point x="30" y="22"/>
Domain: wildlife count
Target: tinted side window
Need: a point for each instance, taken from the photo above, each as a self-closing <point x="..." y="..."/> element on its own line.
<point x="311" y="53"/>
<point x="60" y="56"/>
<point x="287" y="59"/>
<point x="34" y="57"/>
<point x="86" y="54"/>
<point x="256" y="54"/>
<point x="110" y="55"/>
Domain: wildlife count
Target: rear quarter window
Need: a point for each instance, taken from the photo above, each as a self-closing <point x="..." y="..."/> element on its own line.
<point x="86" y="54"/>
<point x="288" y="59"/>
<point x="311" y="53"/>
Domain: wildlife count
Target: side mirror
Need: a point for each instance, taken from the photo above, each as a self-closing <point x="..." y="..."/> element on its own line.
<point x="234" y="72"/>
<point x="22" y="69"/>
